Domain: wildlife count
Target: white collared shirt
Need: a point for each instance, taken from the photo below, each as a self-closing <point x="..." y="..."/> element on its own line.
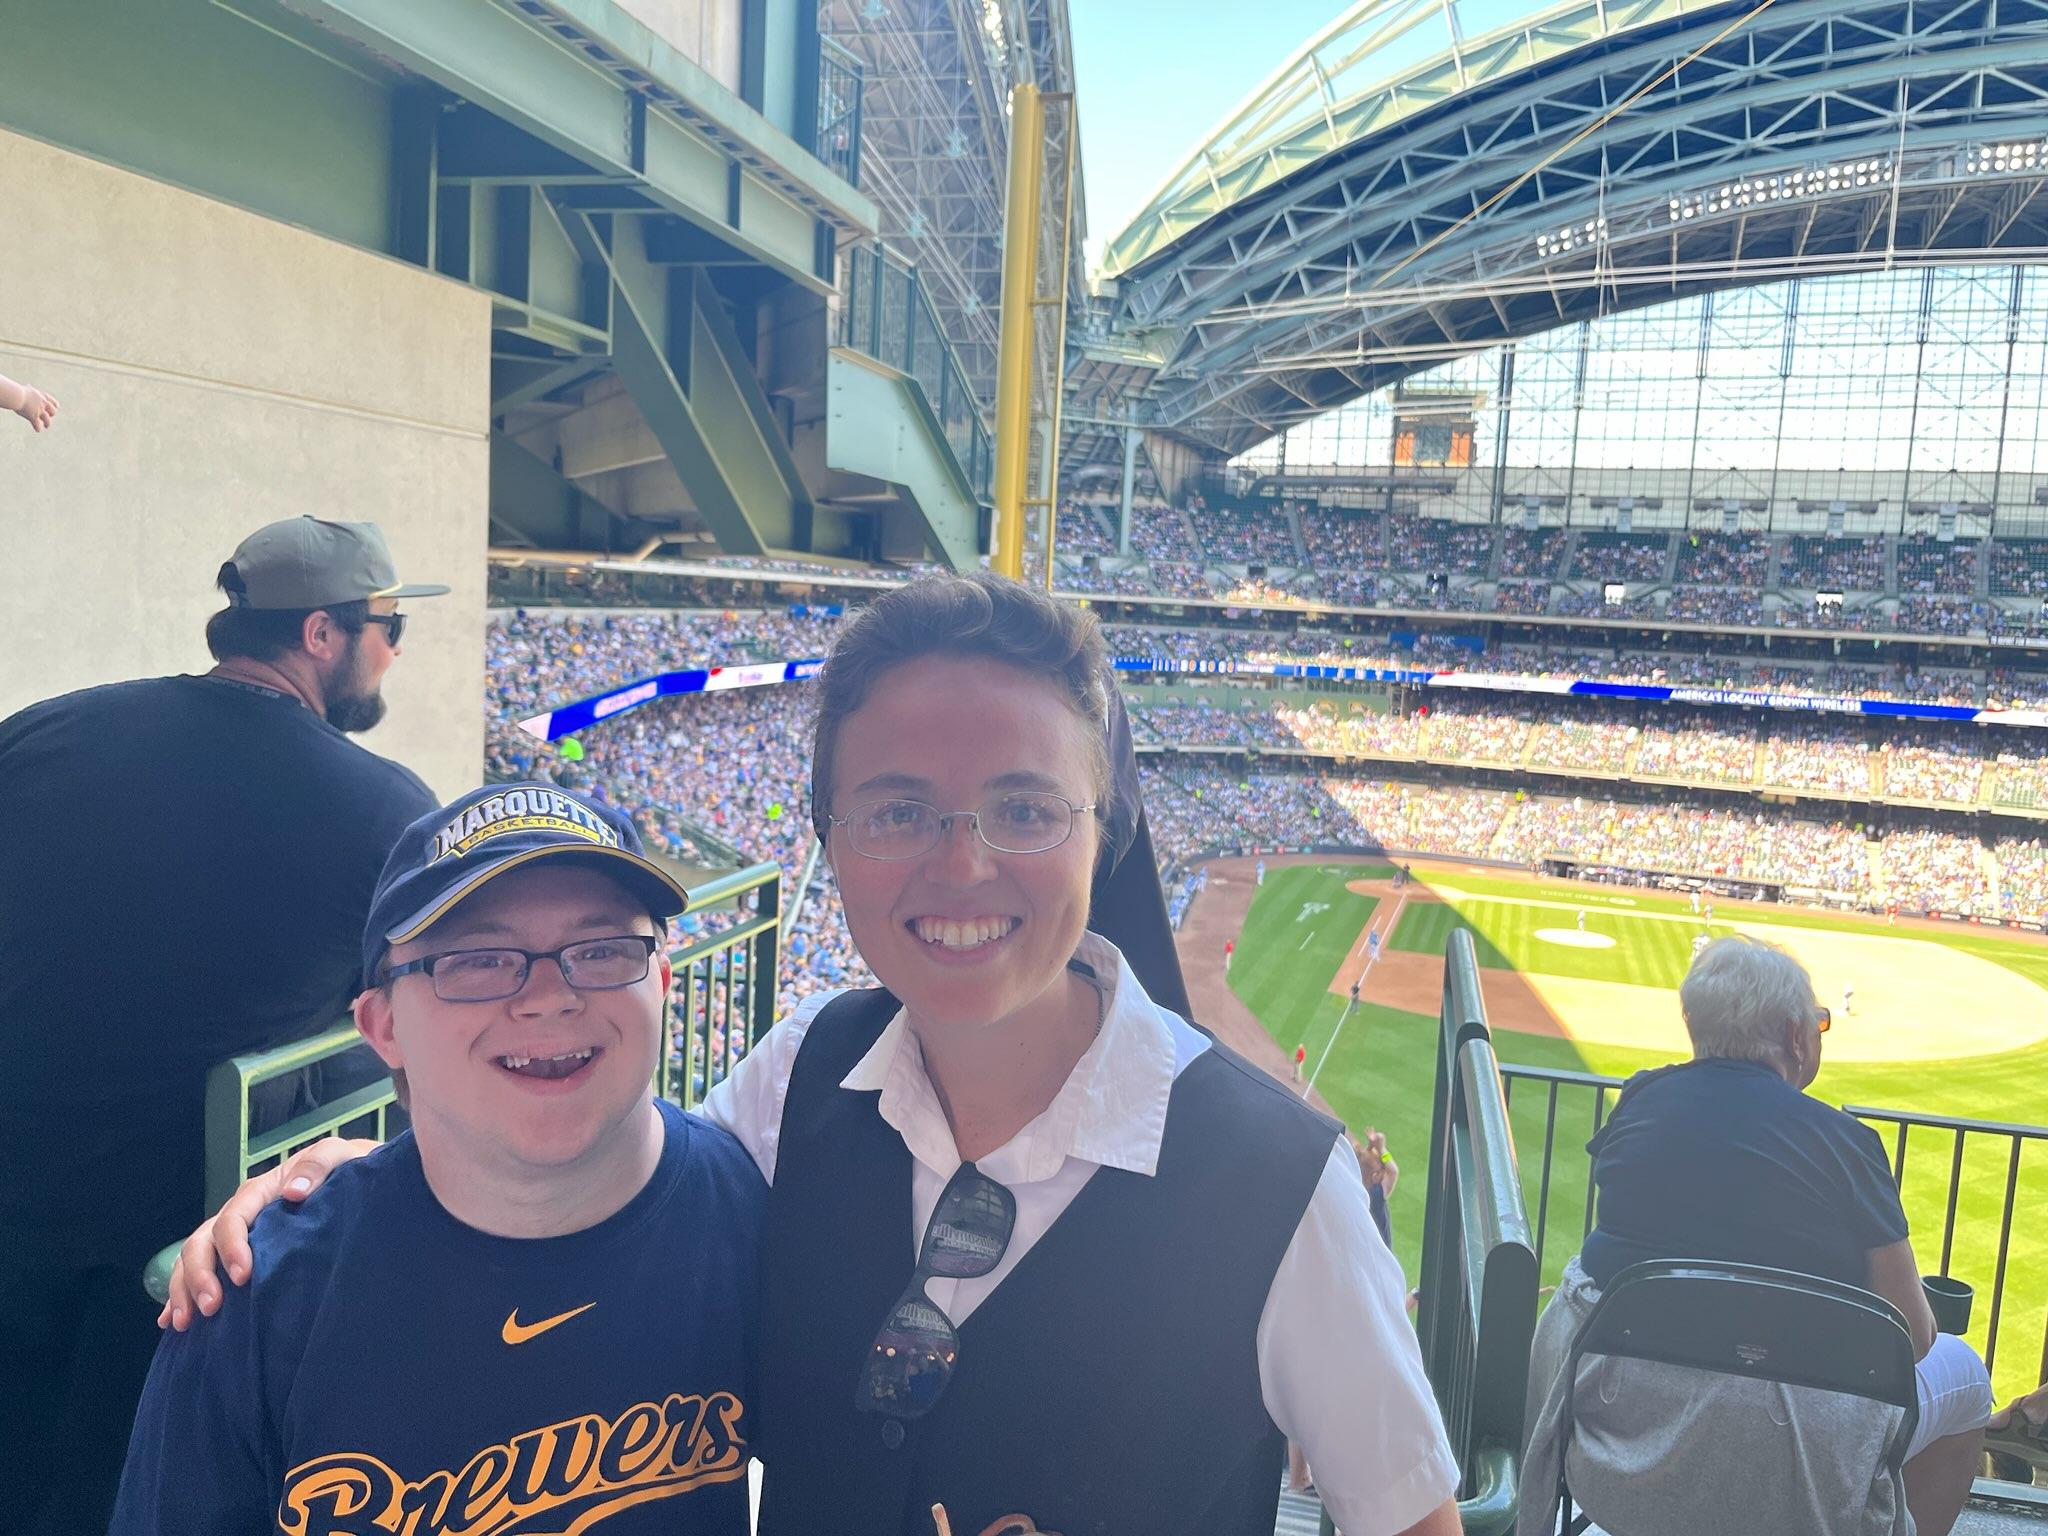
<point x="1339" y="1367"/>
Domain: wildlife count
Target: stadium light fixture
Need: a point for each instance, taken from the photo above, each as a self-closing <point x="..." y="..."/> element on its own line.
<point x="1572" y="237"/>
<point x="2021" y="158"/>
<point x="1785" y="186"/>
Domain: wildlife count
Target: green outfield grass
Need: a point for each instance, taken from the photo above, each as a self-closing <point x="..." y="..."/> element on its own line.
<point x="1378" y="1068"/>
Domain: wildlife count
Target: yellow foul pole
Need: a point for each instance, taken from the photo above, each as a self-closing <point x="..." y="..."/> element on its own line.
<point x="1013" y="361"/>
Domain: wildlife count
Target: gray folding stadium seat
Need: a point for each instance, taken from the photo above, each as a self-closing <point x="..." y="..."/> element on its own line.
<point x="1726" y="1400"/>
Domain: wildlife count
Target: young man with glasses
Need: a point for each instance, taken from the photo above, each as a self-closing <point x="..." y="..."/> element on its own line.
<point x="230" y="829"/>
<point x="536" y="1308"/>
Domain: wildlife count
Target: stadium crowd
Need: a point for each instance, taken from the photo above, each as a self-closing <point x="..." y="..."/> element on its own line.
<point x="2019" y="568"/>
<point x="1438" y="544"/>
<point x="1160" y="532"/>
<point x="1823" y="755"/>
<point x="1521" y="597"/>
<point x="1194" y="810"/>
<point x="1531" y="552"/>
<point x="706" y="773"/>
<point x="1928" y="565"/>
<point x="1085" y="528"/>
<point x="1714" y="605"/>
<point x="1725" y="559"/>
<point x="1835" y="565"/>
<point x="1340" y="540"/>
<point x="1604" y="556"/>
<point x="1241" y="533"/>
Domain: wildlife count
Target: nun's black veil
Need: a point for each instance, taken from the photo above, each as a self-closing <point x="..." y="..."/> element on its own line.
<point x="1127" y="906"/>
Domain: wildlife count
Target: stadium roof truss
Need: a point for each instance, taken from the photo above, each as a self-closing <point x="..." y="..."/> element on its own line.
<point x="1386" y="203"/>
<point x="935" y="130"/>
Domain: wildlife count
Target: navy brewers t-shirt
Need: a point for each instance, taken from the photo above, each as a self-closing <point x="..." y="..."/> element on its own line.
<point x="1725" y="1160"/>
<point x="389" y="1369"/>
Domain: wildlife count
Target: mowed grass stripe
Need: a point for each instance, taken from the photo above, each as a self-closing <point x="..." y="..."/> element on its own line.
<point x="1647" y="952"/>
<point x="1301" y="925"/>
<point x="2026" y="956"/>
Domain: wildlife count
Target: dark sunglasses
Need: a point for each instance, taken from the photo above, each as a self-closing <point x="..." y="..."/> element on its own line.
<point x="1826" y="1018"/>
<point x="912" y="1357"/>
<point x="393" y="623"/>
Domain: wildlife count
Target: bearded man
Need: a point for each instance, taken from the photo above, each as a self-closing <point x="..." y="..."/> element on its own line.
<point x="188" y="864"/>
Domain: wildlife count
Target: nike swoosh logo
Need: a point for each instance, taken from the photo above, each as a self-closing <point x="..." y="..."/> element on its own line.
<point x="515" y="1332"/>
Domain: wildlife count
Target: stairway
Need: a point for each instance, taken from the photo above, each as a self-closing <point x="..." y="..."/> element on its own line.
<point x="1300" y="539"/>
<point x="1568" y="560"/>
<point x="1301" y="1514"/>
<point x="1500" y="833"/>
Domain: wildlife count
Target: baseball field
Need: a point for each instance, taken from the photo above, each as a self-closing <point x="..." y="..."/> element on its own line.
<point x="1941" y="1019"/>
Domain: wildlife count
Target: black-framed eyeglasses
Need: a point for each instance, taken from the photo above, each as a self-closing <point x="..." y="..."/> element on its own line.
<point x="1824" y="1017"/>
<point x="393" y="623"/>
<point x="913" y="1355"/>
<point x="487" y="975"/>
<point x="1023" y="821"/>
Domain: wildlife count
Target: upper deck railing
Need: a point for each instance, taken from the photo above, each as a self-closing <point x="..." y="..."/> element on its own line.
<point x="885" y="312"/>
<point x="840" y="86"/>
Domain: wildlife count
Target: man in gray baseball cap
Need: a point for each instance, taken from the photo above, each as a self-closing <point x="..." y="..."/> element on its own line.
<point x="197" y="857"/>
<point x="323" y="585"/>
<point x="308" y="562"/>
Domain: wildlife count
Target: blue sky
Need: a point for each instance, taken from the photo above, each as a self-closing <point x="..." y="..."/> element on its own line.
<point x="1154" y="77"/>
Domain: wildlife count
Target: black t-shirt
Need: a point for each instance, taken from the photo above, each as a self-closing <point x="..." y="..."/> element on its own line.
<point x="184" y="875"/>
<point x="1726" y="1160"/>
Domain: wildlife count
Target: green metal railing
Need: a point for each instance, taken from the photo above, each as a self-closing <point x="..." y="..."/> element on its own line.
<point x="722" y="999"/>
<point x="723" y="996"/>
<point x="1983" y="1153"/>
<point x="885" y="313"/>
<point x="1478" y="1294"/>
<point x="839" y="101"/>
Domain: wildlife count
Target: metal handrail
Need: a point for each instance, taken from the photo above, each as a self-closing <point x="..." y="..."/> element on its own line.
<point x="841" y="87"/>
<point x="885" y="313"/>
<point x="1956" y="1132"/>
<point x="1478" y="1294"/>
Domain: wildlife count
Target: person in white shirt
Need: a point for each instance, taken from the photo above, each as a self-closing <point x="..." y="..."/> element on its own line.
<point x="1016" y="1096"/>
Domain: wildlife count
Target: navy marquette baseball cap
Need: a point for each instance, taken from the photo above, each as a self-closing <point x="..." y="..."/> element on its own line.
<point x="453" y="852"/>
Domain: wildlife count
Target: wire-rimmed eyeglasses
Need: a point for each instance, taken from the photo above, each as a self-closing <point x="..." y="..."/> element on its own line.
<point x="1024" y="821"/>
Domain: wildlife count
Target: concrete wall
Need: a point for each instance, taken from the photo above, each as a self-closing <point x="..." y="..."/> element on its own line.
<point x="707" y="32"/>
<point x="218" y="370"/>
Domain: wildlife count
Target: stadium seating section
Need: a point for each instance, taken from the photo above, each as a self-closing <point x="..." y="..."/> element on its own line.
<point x="721" y="771"/>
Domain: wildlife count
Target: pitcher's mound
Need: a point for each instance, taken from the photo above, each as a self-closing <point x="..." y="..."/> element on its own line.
<point x="1575" y="939"/>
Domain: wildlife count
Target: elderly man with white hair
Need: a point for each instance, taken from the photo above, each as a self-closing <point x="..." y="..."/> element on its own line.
<point x="1726" y="1158"/>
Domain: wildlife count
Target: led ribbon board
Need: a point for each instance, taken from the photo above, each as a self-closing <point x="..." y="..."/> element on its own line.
<point x="554" y="724"/>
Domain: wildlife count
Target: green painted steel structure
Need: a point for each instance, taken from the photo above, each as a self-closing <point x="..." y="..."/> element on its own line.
<point x="627" y="213"/>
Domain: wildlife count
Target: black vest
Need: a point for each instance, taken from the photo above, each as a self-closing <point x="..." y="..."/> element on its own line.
<point x="1108" y="1387"/>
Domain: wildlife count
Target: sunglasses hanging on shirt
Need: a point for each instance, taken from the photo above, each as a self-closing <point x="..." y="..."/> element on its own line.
<point x="913" y="1355"/>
